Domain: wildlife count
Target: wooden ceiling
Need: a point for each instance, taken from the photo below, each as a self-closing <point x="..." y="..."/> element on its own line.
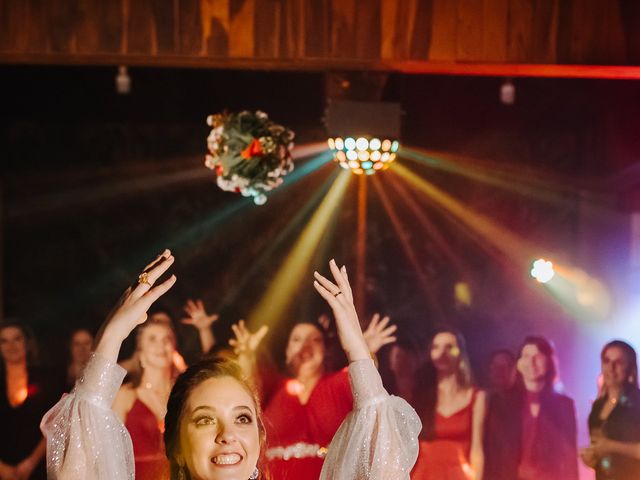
<point x="572" y="38"/>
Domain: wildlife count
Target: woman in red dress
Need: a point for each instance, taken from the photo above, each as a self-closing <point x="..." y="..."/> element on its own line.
<point x="307" y="408"/>
<point x="452" y="411"/>
<point x="142" y="404"/>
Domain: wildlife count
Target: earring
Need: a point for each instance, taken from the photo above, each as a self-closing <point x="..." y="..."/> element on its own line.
<point x="181" y="475"/>
<point x="255" y="474"/>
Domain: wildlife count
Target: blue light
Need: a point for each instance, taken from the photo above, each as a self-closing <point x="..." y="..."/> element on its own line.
<point x="350" y="143"/>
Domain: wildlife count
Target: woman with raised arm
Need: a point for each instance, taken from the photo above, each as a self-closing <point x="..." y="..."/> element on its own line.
<point x="80" y="348"/>
<point x="307" y="406"/>
<point x="141" y="403"/>
<point x="213" y="423"/>
<point x="85" y="438"/>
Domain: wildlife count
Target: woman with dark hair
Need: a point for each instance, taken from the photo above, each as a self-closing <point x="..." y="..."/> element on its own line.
<point x="212" y="428"/>
<point x="307" y="407"/>
<point x="404" y="363"/>
<point x="502" y="371"/>
<point x="27" y="395"/>
<point x="614" y="421"/>
<point x="452" y="412"/>
<point x="530" y="431"/>
<point x="80" y="348"/>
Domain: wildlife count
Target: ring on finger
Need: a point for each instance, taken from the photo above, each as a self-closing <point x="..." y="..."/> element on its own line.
<point x="144" y="278"/>
<point x="337" y="293"/>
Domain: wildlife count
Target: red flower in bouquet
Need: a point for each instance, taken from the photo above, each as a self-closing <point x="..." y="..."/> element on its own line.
<point x="253" y="150"/>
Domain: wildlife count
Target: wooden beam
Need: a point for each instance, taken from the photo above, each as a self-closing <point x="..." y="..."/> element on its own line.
<point x="620" y="72"/>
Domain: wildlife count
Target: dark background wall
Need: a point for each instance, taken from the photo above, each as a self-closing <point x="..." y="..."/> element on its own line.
<point x="95" y="183"/>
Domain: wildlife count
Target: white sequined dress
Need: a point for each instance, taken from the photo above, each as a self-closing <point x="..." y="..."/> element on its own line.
<point x="86" y="440"/>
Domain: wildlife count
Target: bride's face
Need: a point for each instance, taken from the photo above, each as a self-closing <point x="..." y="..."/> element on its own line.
<point x="219" y="436"/>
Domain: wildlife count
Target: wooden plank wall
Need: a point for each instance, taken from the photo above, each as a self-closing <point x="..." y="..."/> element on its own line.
<point x="582" y="32"/>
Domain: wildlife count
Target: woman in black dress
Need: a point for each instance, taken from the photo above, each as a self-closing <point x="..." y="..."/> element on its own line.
<point x="614" y="422"/>
<point x="26" y="397"/>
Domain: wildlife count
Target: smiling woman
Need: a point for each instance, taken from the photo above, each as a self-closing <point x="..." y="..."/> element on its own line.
<point x="26" y="396"/>
<point x="141" y="405"/>
<point x="614" y="422"/>
<point x="213" y="424"/>
<point x="210" y="401"/>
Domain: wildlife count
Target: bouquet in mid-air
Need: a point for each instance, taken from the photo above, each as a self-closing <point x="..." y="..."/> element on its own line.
<point x="249" y="153"/>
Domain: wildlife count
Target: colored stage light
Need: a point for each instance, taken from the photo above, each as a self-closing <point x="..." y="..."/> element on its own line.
<point x="362" y="143"/>
<point x="350" y="143"/>
<point x="363" y="153"/>
<point x="366" y="165"/>
<point x="542" y="270"/>
<point x="363" y="156"/>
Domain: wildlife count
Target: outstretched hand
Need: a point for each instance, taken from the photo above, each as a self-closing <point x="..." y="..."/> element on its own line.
<point x="246" y="342"/>
<point x="379" y="333"/>
<point x="340" y="298"/>
<point x="132" y="308"/>
<point x="197" y="315"/>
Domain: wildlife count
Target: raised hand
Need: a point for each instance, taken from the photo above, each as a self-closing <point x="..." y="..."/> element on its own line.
<point x="340" y="298"/>
<point x="132" y="308"/>
<point x="378" y="334"/>
<point x="246" y="342"/>
<point x="197" y="315"/>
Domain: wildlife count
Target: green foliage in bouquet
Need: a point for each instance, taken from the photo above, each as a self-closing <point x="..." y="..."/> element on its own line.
<point x="249" y="153"/>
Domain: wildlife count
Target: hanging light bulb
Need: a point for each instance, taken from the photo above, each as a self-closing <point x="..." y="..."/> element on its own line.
<point x="123" y="81"/>
<point x="508" y="92"/>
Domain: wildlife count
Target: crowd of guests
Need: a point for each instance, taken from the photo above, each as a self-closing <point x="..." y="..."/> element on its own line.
<point x="520" y="428"/>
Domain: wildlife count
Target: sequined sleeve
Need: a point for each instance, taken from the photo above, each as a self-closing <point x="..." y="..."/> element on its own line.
<point x="85" y="438"/>
<point x="379" y="439"/>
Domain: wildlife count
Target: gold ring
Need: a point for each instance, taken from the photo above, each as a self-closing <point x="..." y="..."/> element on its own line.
<point x="144" y="278"/>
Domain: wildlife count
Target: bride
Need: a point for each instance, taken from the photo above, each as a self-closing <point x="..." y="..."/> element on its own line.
<point x="213" y="428"/>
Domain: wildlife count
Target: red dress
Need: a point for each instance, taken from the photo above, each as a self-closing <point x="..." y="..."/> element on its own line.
<point x="148" y="445"/>
<point x="297" y="435"/>
<point x="447" y="456"/>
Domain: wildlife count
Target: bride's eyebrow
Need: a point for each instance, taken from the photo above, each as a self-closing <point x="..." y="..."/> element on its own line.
<point x="203" y="407"/>
<point x="243" y="407"/>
